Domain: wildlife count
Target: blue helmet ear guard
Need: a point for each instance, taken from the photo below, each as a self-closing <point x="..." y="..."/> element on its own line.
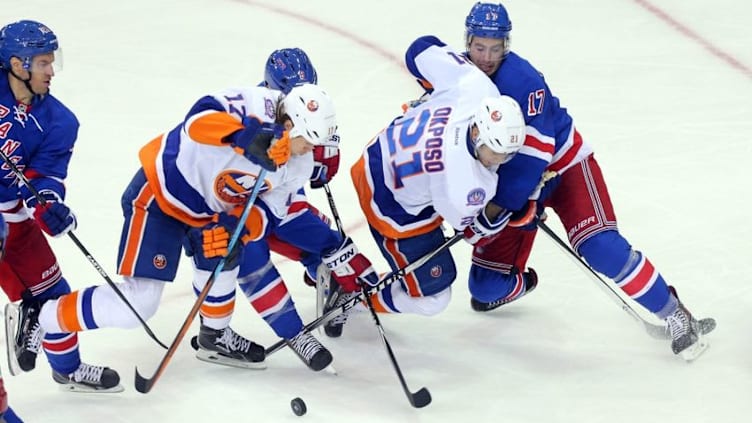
<point x="287" y="68"/>
<point x="24" y="40"/>
<point x="487" y="20"/>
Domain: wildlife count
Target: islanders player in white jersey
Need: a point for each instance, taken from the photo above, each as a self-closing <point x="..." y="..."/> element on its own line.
<point x="436" y="164"/>
<point x="556" y="168"/>
<point x="199" y="175"/>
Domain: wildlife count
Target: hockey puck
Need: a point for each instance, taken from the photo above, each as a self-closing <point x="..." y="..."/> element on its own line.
<point x="298" y="406"/>
<point x="194" y="343"/>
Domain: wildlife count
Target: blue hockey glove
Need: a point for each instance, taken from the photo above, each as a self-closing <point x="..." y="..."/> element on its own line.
<point x="53" y="216"/>
<point x="209" y="244"/>
<point x="257" y="141"/>
<point x="483" y="230"/>
<point x="349" y="267"/>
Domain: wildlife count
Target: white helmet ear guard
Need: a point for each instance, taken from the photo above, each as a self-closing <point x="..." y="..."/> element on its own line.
<point x="312" y="113"/>
<point x="500" y="124"/>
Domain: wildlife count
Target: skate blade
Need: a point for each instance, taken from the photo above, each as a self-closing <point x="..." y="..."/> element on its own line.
<point x="695" y="350"/>
<point x="214" y="358"/>
<point x="323" y="275"/>
<point x="12" y="316"/>
<point x="85" y="389"/>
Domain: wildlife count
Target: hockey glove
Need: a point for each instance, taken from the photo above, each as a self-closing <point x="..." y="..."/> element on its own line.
<point x="255" y="141"/>
<point x="325" y="163"/>
<point x="349" y="267"/>
<point x="212" y="241"/>
<point x="53" y="217"/>
<point x="528" y="217"/>
<point x="483" y="230"/>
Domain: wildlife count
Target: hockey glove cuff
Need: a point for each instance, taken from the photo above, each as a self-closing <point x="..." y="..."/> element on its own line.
<point x="54" y="217"/>
<point x="350" y="267"/>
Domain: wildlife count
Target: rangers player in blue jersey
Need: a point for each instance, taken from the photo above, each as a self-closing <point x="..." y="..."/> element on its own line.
<point x="37" y="133"/>
<point x="556" y="168"/>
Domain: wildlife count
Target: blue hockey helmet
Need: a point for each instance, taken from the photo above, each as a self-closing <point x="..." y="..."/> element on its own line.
<point x="24" y="40"/>
<point x="487" y="20"/>
<point x="287" y="68"/>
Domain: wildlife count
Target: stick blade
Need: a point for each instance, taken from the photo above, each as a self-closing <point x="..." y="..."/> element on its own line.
<point x="143" y="384"/>
<point x="421" y="398"/>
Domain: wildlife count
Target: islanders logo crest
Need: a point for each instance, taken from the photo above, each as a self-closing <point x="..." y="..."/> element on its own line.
<point x="496" y="116"/>
<point x="234" y="186"/>
<point x="476" y="197"/>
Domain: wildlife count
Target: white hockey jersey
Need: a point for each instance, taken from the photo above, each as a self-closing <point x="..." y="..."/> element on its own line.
<point x="195" y="175"/>
<point x="420" y="170"/>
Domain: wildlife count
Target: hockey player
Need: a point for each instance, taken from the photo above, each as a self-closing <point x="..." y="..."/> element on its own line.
<point x="301" y="111"/>
<point x="7" y="415"/>
<point x="199" y="175"/>
<point x="37" y="133"/>
<point x="435" y="164"/>
<point x="285" y="69"/>
<point x="555" y="168"/>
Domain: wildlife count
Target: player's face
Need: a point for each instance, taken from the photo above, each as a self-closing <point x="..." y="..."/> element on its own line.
<point x="298" y="145"/>
<point x="487" y="53"/>
<point x="41" y="71"/>
<point x="490" y="158"/>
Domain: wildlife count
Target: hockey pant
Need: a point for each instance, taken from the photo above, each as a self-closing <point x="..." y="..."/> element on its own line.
<point x="584" y="207"/>
<point x="30" y="269"/>
<point x="427" y="290"/>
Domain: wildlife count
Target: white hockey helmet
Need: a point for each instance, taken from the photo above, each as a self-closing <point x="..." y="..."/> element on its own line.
<point x="312" y="113"/>
<point x="501" y="125"/>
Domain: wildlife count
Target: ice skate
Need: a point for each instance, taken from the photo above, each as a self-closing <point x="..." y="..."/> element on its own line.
<point x="530" y="279"/>
<point x="88" y="378"/>
<point x="225" y="347"/>
<point x="336" y="298"/>
<point x="310" y="350"/>
<point x="24" y="336"/>
<point x="687" y="332"/>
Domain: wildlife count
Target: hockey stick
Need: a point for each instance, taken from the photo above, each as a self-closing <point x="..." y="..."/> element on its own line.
<point x="83" y="249"/>
<point x="385" y="281"/>
<point x="655" y="331"/>
<point x="418" y="399"/>
<point x="144" y="385"/>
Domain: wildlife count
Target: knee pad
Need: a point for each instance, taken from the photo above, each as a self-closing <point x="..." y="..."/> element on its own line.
<point x="143" y="294"/>
<point x="488" y="285"/>
<point x="606" y="252"/>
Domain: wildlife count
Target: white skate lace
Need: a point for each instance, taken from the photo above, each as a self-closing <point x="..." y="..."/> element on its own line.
<point x="306" y="345"/>
<point x="234" y="341"/>
<point x="87" y="373"/>
<point x="678" y="323"/>
<point x="34" y="340"/>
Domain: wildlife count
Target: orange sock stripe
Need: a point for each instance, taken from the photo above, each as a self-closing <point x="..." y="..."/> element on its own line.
<point x="217" y="311"/>
<point x="67" y="313"/>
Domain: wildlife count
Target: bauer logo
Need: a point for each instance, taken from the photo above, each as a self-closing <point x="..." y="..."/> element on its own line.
<point x="233" y="187"/>
<point x="476" y="197"/>
<point x="160" y="261"/>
